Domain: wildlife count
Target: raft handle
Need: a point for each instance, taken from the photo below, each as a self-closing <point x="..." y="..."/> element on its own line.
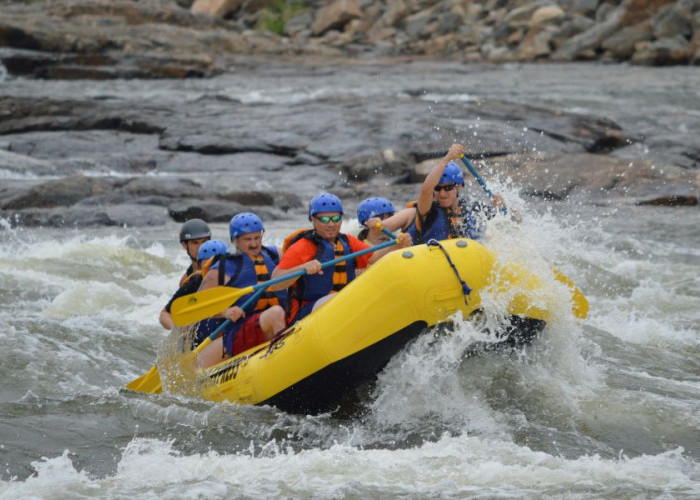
<point x="465" y="288"/>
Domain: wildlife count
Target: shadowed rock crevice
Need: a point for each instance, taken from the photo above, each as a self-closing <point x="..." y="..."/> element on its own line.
<point x="42" y="114"/>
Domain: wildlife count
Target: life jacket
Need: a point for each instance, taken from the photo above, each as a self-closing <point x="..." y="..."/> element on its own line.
<point x="244" y="272"/>
<point x="202" y="272"/>
<point x="442" y="224"/>
<point x="187" y="274"/>
<point x="309" y="288"/>
<point x="191" y="285"/>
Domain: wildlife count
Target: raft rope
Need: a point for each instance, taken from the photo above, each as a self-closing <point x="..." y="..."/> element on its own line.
<point x="465" y="288"/>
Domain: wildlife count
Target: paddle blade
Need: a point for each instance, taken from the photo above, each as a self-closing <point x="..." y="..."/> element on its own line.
<point x="201" y="305"/>
<point x="149" y="382"/>
<point x="579" y="303"/>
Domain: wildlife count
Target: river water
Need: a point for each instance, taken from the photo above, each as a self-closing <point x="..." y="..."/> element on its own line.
<point x="608" y="407"/>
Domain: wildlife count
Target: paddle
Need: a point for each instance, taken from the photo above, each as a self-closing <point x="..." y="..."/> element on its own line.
<point x="200" y="305"/>
<point x="150" y="381"/>
<point x="387" y="232"/>
<point x="579" y="303"/>
<point x="480" y="179"/>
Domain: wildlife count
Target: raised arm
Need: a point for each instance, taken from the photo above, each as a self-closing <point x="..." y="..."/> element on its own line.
<point x="425" y="198"/>
<point x="400" y="220"/>
<point x="166" y="320"/>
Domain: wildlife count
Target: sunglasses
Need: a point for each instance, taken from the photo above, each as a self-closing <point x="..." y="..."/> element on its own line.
<point x="325" y="219"/>
<point x="444" y="187"/>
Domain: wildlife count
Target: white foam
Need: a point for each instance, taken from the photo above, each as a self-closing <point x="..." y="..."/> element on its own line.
<point x="452" y="466"/>
<point x="425" y="383"/>
<point x="434" y="97"/>
<point x="89" y="298"/>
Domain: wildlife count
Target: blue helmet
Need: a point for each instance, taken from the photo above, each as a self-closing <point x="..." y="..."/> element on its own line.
<point x="324" y="202"/>
<point x="452" y="175"/>
<point x="211" y="248"/>
<point x="373" y="207"/>
<point x="244" y="223"/>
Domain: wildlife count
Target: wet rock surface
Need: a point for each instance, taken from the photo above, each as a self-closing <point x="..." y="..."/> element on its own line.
<point x="269" y="135"/>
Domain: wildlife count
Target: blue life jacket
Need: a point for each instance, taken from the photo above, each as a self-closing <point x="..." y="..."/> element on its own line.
<point x="309" y="288"/>
<point x="241" y="270"/>
<point x="437" y="224"/>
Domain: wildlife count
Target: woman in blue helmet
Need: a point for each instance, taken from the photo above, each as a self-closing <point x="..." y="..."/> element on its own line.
<point x="439" y="213"/>
<point x="206" y="254"/>
<point x="253" y="263"/>
<point x="309" y="249"/>
<point x="369" y="208"/>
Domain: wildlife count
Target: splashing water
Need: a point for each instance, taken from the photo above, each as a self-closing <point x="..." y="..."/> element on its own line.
<point x="607" y="404"/>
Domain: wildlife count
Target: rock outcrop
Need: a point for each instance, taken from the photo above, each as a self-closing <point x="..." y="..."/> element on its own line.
<point x="143" y="155"/>
<point x="97" y="39"/>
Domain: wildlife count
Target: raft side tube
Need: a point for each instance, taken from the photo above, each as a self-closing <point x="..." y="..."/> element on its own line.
<point x="368" y="321"/>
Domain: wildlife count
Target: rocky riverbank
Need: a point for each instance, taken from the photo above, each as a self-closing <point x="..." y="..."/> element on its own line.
<point x="99" y="39"/>
<point x="144" y="152"/>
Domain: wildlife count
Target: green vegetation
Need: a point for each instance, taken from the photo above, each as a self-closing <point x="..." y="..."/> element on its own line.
<point x="276" y="14"/>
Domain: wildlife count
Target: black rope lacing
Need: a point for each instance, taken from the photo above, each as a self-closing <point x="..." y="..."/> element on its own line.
<point x="465" y="288"/>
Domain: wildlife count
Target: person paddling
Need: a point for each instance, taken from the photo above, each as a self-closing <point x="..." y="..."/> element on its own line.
<point x="378" y="207"/>
<point x="252" y="264"/>
<point x="193" y="234"/>
<point x="439" y="213"/>
<point x="205" y="258"/>
<point x="308" y="249"/>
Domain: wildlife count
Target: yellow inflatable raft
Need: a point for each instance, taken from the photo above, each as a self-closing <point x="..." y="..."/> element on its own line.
<point x="347" y="341"/>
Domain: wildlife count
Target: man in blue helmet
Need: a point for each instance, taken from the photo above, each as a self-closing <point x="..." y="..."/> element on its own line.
<point x="253" y="263"/>
<point x="309" y="249"/>
<point x="205" y="257"/>
<point x="439" y="213"/>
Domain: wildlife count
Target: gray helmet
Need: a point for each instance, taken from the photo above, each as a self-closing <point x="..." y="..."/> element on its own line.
<point x="194" y="229"/>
